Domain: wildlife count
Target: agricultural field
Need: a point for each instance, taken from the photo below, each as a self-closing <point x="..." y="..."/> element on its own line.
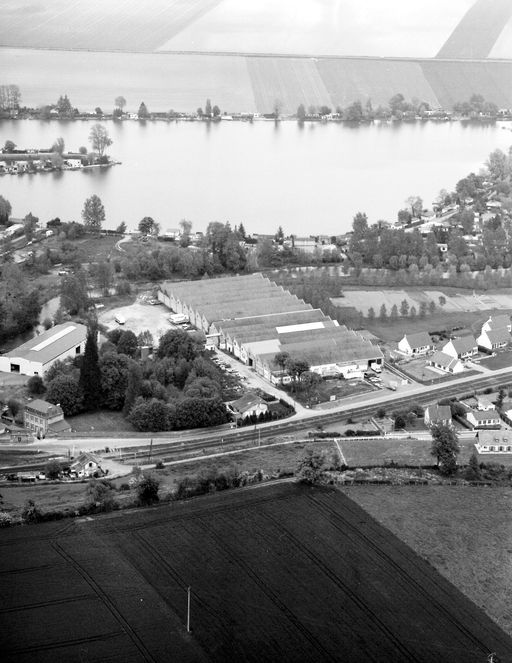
<point x="120" y="25"/>
<point x="290" y="81"/>
<point x="477" y="32"/>
<point x="416" y="453"/>
<point x="363" y="79"/>
<point x="277" y="573"/>
<point x="465" y="532"/>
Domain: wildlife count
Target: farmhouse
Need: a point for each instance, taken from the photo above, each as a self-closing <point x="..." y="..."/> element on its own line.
<point x="494" y="442"/>
<point x="416" y="344"/>
<point x="480" y="419"/>
<point x="493" y="339"/>
<point x="438" y="414"/>
<point x="461" y="348"/>
<point x="44" y="418"/>
<point x="497" y="322"/>
<point x="248" y="405"/>
<point x="254" y="319"/>
<point x="445" y="363"/>
<point x="86" y="465"/>
<point x="37" y="355"/>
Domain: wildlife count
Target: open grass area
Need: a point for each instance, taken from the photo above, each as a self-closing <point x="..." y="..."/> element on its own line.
<point x="103" y="420"/>
<point x="465" y="532"/>
<point x="502" y="359"/>
<point x="258" y="561"/>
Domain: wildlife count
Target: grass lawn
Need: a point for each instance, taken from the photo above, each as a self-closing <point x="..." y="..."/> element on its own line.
<point x="107" y="421"/>
<point x="48" y="497"/>
<point x="440" y="320"/>
<point x="465" y="532"/>
<point x="502" y="359"/>
<point x="97" y="249"/>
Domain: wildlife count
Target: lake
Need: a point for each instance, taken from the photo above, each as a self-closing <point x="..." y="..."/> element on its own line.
<point x="309" y="179"/>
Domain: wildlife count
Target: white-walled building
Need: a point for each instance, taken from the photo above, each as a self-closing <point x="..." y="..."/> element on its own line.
<point x="37" y="355"/>
<point x="493" y="339"/>
<point x="416" y="344"/>
<point x="461" y="348"/>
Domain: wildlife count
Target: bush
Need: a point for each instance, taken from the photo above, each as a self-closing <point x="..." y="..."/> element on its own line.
<point x="36" y="386"/>
<point x="124" y="487"/>
<point x="147" y="488"/>
<point x="159" y="465"/>
<point x="6" y="519"/>
<point x="31" y="513"/>
<point x="100" y="494"/>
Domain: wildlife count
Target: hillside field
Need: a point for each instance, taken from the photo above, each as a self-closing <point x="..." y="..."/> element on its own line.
<point x="277" y="573"/>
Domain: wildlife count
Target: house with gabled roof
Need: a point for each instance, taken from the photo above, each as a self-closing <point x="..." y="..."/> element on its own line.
<point x="493" y="339"/>
<point x="497" y="322"/>
<point x="416" y="344"/>
<point x="463" y="347"/>
<point x="249" y="404"/>
<point x="86" y="465"/>
<point x="445" y="362"/>
<point x="479" y="419"/>
<point x="494" y="442"/>
<point x="438" y="414"/>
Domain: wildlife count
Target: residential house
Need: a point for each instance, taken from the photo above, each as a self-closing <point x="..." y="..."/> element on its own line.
<point x="445" y="363"/>
<point x="493" y="339"/>
<point x="497" y="322"/>
<point x="416" y="344"/>
<point x="494" y="442"/>
<point x="86" y="465"/>
<point x="44" y="418"/>
<point x="478" y="419"/>
<point x="484" y="403"/>
<point x="438" y="414"/>
<point x="461" y="348"/>
<point x="248" y="405"/>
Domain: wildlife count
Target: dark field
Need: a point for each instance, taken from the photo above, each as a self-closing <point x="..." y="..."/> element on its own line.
<point x="285" y="573"/>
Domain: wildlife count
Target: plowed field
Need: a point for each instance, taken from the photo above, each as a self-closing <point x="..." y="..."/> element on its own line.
<point x="283" y="573"/>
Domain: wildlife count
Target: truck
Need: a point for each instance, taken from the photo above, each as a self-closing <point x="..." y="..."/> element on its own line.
<point x="376" y="367"/>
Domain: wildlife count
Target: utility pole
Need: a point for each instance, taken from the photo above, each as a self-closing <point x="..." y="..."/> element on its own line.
<point x="188" y="609"/>
<point x="150" y="449"/>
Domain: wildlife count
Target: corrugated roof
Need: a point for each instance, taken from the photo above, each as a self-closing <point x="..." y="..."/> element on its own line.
<point x="51" y="344"/>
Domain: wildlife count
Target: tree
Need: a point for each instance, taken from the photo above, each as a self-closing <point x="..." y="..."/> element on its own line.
<point x="5" y="211"/>
<point x="99" y="493"/>
<point x="58" y="146"/>
<point x="149" y="415"/>
<point x="148" y="486"/>
<point x="178" y="344"/>
<point x="14" y="406"/>
<point x="310" y="467"/>
<point x="148" y="226"/>
<point x="445" y="447"/>
<point x="143" y="112"/>
<point x="202" y="387"/>
<point x="500" y="399"/>
<point x="145" y="338"/>
<point x="36" y="386"/>
<point x="64" y="105"/>
<point x="383" y="314"/>
<point x="121" y="228"/>
<point x="371" y="314"/>
<point x="114" y="370"/>
<point x="208" y="108"/>
<point x="404" y="308"/>
<point x="90" y="373"/>
<point x="52" y="469"/>
<point x="9" y="146"/>
<point x="216" y="111"/>
<point x="186" y="229"/>
<point x="281" y="359"/>
<point x="65" y="391"/>
<point x="276" y="109"/>
<point x="416" y="205"/>
<point x="133" y="387"/>
<point x="473" y="472"/>
<point x="301" y="113"/>
<point x="120" y="102"/>
<point x="99" y="139"/>
<point x="105" y="276"/>
<point x="93" y="213"/>
<point x="127" y="343"/>
<point x="74" y="297"/>
<point x="31" y="513"/>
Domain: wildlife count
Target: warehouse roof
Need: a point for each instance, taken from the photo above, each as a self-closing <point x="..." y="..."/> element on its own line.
<point x="52" y="343"/>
